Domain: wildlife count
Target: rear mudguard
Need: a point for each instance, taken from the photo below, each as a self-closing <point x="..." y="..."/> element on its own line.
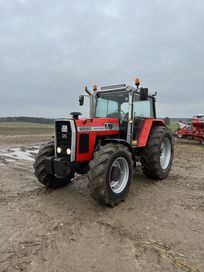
<point x="146" y="130"/>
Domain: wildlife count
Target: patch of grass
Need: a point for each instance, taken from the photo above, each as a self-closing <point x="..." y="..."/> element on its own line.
<point x="21" y="128"/>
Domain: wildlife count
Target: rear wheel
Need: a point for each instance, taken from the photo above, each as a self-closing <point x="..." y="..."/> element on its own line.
<point x="158" y="155"/>
<point x="110" y="174"/>
<point x="49" y="180"/>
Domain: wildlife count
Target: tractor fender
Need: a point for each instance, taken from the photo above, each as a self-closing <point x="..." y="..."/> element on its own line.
<point x="146" y="130"/>
<point x="120" y="141"/>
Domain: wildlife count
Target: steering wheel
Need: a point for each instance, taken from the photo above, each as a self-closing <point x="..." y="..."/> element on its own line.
<point x="119" y="112"/>
<point x="123" y="118"/>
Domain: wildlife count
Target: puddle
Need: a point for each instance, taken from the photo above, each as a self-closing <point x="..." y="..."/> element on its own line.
<point x="19" y="153"/>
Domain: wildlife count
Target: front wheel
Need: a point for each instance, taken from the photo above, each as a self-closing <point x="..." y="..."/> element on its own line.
<point x="110" y="174"/>
<point x="40" y="167"/>
<point x="158" y="155"/>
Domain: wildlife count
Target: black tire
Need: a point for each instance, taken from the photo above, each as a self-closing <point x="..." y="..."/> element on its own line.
<point x="49" y="180"/>
<point x="101" y="169"/>
<point x="151" y="162"/>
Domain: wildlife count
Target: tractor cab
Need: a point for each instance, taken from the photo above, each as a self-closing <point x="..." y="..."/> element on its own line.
<point x="131" y="106"/>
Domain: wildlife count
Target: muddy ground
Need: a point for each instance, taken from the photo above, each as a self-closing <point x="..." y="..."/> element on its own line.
<point x="160" y="226"/>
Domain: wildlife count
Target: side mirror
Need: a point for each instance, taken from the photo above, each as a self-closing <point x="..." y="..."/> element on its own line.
<point x="81" y="100"/>
<point x="143" y="94"/>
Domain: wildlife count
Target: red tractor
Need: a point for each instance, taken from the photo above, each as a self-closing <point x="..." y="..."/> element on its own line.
<point x="194" y="131"/>
<point x="122" y="130"/>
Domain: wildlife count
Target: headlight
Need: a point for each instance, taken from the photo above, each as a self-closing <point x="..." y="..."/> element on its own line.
<point x="68" y="151"/>
<point x="59" y="150"/>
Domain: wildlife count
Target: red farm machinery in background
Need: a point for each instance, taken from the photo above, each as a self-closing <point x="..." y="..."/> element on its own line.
<point x="194" y="131"/>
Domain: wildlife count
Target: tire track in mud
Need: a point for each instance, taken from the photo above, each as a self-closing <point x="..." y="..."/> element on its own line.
<point x="162" y="250"/>
<point x="6" y="198"/>
<point x="20" y="255"/>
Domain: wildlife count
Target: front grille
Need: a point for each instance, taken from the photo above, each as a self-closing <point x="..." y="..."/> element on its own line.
<point x="63" y="137"/>
<point x="83" y="143"/>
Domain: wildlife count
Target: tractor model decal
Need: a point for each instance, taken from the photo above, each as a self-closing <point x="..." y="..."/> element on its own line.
<point x="107" y="126"/>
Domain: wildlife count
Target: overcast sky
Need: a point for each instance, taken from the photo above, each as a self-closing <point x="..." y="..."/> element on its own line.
<point x="49" y="50"/>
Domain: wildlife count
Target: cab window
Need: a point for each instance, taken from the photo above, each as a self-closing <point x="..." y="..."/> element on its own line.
<point x="143" y="108"/>
<point x="105" y="107"/>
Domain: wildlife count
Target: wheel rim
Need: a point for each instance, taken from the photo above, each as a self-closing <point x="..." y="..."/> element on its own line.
<point x="165" y="153"/>
<point x="119" y="175"/>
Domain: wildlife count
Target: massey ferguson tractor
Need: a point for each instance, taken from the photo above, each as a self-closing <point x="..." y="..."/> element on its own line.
<point x="122" y="129"/>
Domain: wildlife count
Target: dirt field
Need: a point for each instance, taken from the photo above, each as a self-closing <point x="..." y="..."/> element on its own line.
<point x="160" y="226"/>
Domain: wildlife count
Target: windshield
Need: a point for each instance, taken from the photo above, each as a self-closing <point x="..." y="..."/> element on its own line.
<point x="112" y="105"/>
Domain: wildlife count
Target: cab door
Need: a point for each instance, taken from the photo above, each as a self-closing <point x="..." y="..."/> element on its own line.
<point x="142" y="109"/>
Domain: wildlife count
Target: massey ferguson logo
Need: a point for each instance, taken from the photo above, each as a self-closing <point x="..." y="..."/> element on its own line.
<point x="109" y="126"/>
